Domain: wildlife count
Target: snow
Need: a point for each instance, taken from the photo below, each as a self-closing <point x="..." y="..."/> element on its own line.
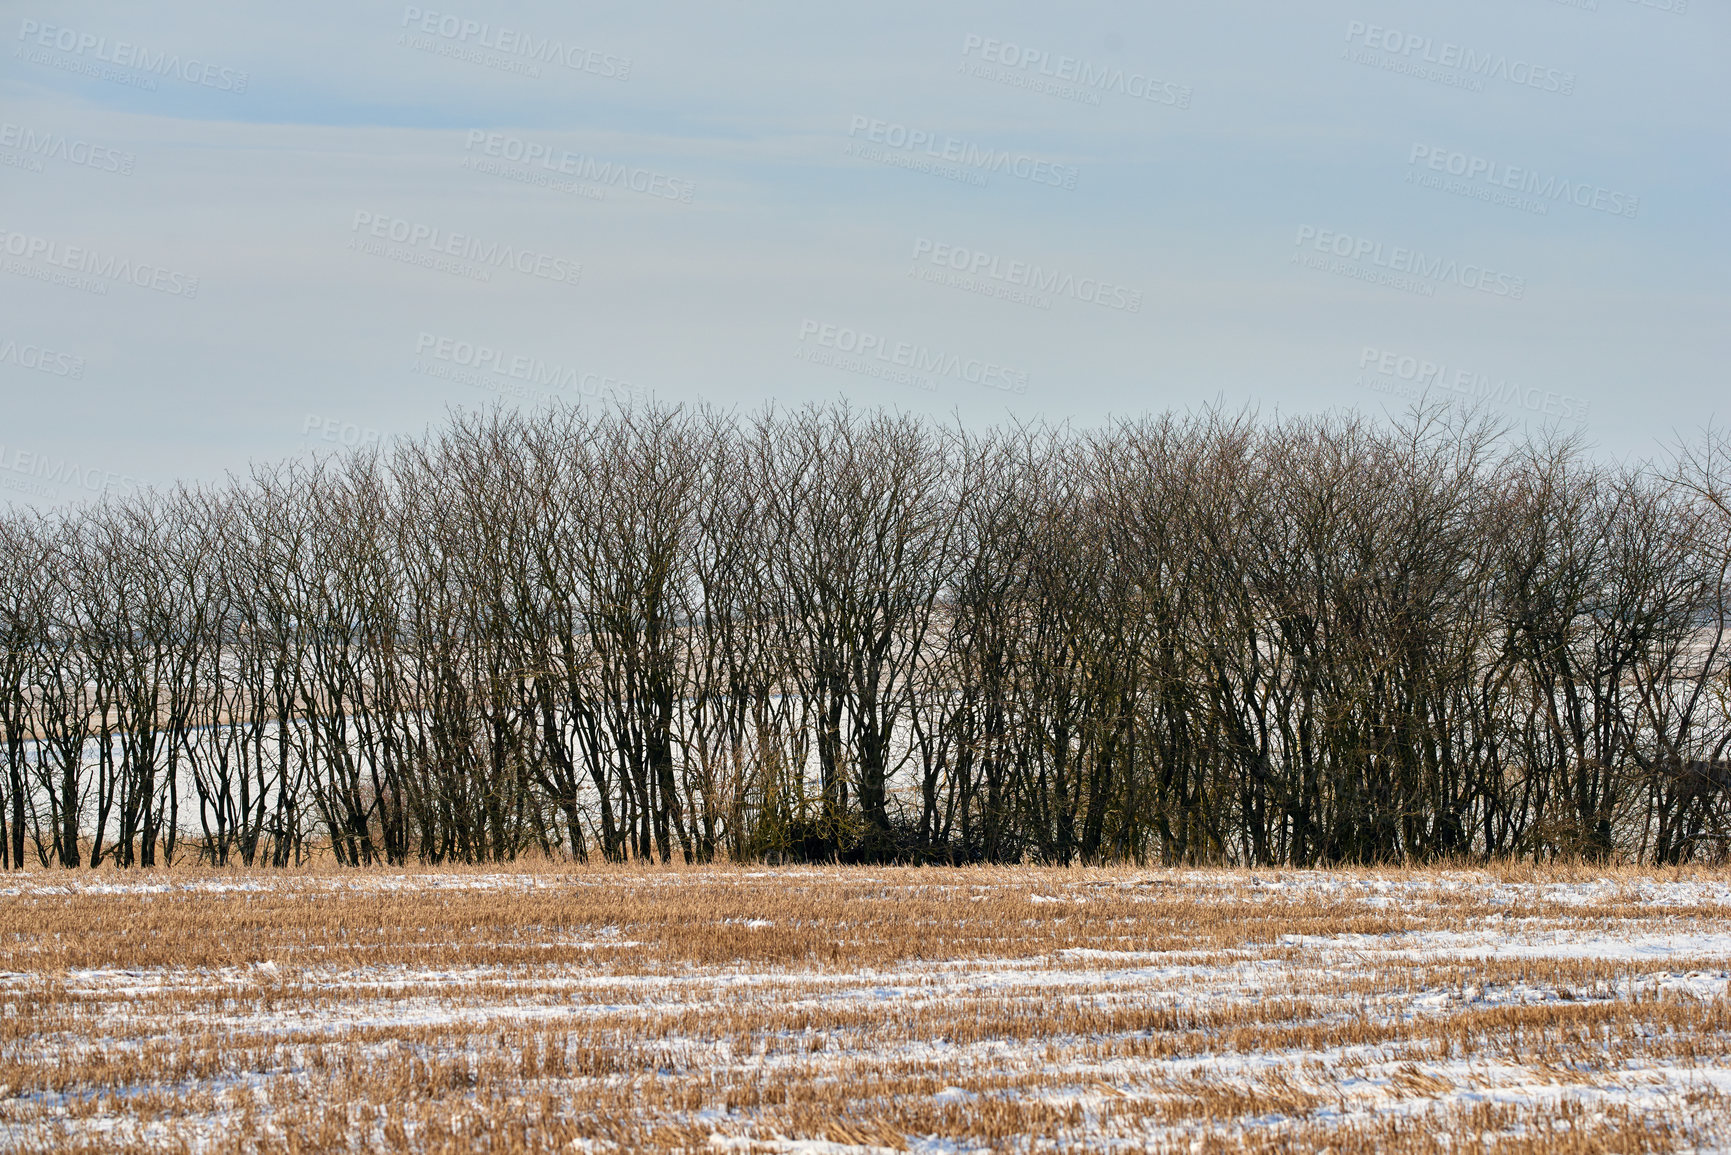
<point x="1678" y="947"/>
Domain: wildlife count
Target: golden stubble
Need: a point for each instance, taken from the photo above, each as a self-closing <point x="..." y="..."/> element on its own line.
<point x="748" y="1009"/>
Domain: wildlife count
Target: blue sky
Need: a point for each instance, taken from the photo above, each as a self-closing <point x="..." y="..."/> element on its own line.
<point x="1295" y="207"/>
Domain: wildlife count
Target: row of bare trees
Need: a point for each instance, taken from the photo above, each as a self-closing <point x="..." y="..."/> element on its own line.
<point x="830" y="634"/>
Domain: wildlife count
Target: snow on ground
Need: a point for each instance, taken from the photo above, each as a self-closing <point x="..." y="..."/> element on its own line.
<point x="1515" y="1004"/>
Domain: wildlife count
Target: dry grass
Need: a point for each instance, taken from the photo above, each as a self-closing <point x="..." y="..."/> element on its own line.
<point x="851" y="1009"/>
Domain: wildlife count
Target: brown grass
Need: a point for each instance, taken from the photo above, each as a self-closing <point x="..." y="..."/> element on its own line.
<point x="853" y="1008"/>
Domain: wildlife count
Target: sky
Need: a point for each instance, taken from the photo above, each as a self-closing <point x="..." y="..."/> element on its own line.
<point x="233" y="232"/>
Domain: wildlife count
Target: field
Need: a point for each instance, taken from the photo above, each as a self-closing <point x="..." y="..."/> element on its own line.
<point x="848" y="1009"/>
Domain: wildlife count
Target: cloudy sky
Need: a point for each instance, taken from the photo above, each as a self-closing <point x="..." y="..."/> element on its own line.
<point x="236" y="232"/>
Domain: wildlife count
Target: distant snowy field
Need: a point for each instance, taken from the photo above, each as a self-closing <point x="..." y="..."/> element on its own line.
<point x="850" y="1009"/>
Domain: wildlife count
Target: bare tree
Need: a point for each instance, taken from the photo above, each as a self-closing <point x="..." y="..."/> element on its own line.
<point x="828" y="633"/>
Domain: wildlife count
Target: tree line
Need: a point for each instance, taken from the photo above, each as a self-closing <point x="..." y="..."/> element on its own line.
<point x="821" y="634"/>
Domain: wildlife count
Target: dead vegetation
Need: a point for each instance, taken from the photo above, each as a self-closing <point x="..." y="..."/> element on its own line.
<point x="847" y="1008"/>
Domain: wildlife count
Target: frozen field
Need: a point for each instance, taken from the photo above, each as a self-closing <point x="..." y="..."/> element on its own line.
<point x="851" y="1009"/>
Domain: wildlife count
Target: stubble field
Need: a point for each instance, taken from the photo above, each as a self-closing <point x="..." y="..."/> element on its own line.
<point x="851" y="1009"/>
